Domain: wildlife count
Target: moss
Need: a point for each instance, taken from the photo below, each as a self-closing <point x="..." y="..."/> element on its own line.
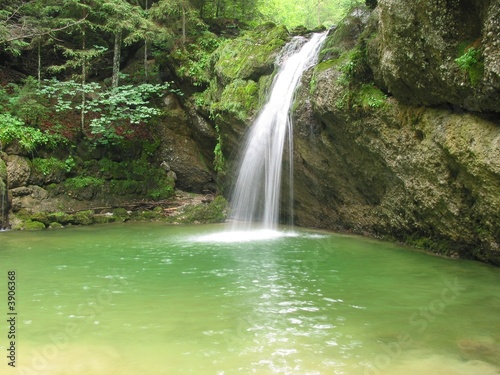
<point x="434" y="245"/>
<point x="240" y="98"/>
<point x="55" y="225"/>
<point x="149" y="215"/>
<point x="3" y="170"/>
<point x="60" y="217"/>
<point x="32" y="225"/>
<point x="125" y="187"/>
<point x="48" y="166"/>
<point x="103" y="219"/>
<point x="42" y="217"/>
<point x="82" y="182"/>
<point x="84" y="218"/>
<point x="213" y="212"/>
<point x="252" y="54"/>
<point x="113" y="170"/>
<point x="163" y="192"/>
<point x="121" y="214"/>
<point x="369" y="97"/>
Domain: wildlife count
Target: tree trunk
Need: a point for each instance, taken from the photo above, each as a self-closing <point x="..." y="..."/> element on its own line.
<point x="146" y="51"/>
<point x="183" y="23"/>
<point x="84" y="74"/>
<point x="39" y="68"/>
<point x="116" y="60"/>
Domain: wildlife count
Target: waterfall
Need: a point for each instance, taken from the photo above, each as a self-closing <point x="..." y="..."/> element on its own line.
<point x="3" y="205"/>
<point x="256" y="194"/>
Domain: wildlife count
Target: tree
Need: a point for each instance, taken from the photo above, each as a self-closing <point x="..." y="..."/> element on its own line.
<point x="128" y="23"/>
<point x="172" y="12"/>
<point x="21" y="24"/>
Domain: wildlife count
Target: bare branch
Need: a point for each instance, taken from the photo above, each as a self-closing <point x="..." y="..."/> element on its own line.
<point x="35" y="34"/>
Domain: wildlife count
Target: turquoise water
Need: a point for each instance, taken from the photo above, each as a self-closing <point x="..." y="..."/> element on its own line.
<point x="156" y="299"/>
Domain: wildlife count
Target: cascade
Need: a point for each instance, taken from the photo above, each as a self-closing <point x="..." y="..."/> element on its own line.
<point x="3" y="205"/>
<point x="257" y="191"/>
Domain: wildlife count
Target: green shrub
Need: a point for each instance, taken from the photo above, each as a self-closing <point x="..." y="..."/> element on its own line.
<point x="13" y="129"/>
<point x="48" y="166"/>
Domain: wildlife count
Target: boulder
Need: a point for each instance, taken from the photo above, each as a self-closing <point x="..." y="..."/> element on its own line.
<point x="18" y="171"/>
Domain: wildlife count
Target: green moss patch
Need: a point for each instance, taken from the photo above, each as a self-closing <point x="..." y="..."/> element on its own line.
<point x="252" y="54"/>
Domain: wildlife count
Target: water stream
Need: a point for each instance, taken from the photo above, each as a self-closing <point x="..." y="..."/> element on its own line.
<point x="256" y="195"/>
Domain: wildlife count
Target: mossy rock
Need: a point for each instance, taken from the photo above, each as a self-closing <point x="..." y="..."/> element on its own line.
<point x="83" y="187"/>
<point x="32" y="225"/>
<point x="213" y="212"/>
<point x="49" y="170"/>
<point x="148" y="215"/>
<point x="42" y="217"/>
<point x="3" y="171"/>
<point x="121" y="214"/>
<point x="240" y="98"/>
<point x="83" y="218"/>
<point x="103" y="219"/>
<point x="60" y="217"/>
<point x="126" y="187"/>
<point x="55" y="225"/>
<point x="251" y="55"/>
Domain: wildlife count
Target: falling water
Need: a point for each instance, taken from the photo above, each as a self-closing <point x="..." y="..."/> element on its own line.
<point x="256" y="194"/>
<point x="3" y="205"/>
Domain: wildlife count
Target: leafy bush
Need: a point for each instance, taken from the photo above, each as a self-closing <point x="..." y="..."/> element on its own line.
<point x="110" y="112"/>
<point x="29" y="138"/>
<point x="47" y="166"/>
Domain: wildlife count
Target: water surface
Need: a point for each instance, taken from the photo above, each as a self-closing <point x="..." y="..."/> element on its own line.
<point x="156" y="299"/>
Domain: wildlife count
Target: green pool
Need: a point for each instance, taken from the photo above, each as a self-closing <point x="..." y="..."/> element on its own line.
<point x="156" y="299"/>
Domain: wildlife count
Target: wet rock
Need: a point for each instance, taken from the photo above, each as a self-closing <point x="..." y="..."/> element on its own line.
<point x="18" y="171"/>
<point x="425" y="176"/>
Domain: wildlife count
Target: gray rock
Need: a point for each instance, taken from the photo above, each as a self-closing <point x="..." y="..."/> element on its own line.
<point x="18" y="171"/>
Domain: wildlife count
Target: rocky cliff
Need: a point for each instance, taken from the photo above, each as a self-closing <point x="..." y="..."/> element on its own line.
<point x="396" y="137"/>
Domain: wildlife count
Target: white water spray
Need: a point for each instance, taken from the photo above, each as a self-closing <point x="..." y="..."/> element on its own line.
<point x="256" y="194"/>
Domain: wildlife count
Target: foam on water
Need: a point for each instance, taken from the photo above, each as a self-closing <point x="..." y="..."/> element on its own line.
<point x="245" y="236"/>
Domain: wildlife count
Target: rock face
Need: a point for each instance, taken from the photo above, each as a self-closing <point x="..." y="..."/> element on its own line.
<point x="4" y="208"/>
<point x="369" y="158"/>
<point x="438" y="52"/>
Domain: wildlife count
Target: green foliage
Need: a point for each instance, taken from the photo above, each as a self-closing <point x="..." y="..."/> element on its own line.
<point x="48" y="166"/>
<point x="24" y="102"/>
<point x="254" y="51"/>
<point x="368" y="96"/>
<point x="193" y="59"/>
<point x="219" y="159"/>
<point x="82" y="182"/>
<point x="309" y="13"/>
<point x="108" y="109"/>
<point x="29" y="138"/>
<point x="469" y="58"/>
<point x="163" y="192"/>
<point x="354" y="65"/>
<point x="240" y="98"/>
<point x="471" y="62"/>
